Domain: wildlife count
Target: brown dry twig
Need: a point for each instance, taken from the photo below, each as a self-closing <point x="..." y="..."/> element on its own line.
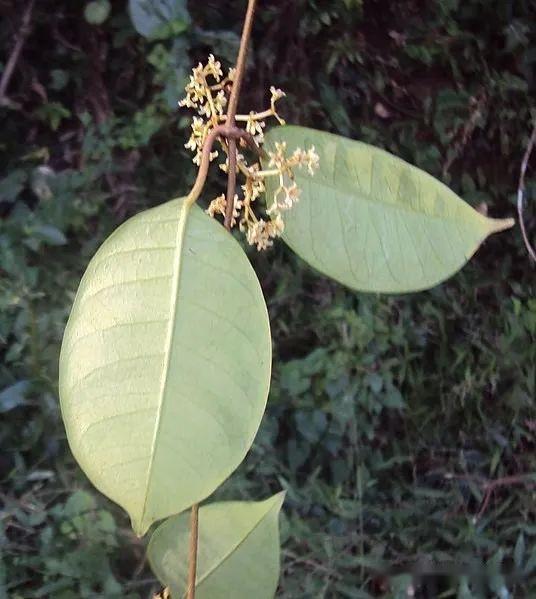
<point x="490" y="486"/>
<point x="521" y="194"/>
<point x="501" y="482"/>
<point x="22" y="35"/>
<point x="477" y="107"/>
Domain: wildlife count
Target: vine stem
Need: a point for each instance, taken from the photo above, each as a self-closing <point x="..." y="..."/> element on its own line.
<point x="521" y="194"/>
<point x="231" y="110"/>
<point x="24" y="32"/>
<point x="231" y="133"/>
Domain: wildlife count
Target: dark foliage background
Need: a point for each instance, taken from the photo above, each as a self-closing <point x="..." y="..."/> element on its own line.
<point x="403" y="428"/>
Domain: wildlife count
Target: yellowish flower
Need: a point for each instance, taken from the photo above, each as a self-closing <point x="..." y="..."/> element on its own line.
<point x="217" y="206"/>
<point x="207" y="93"/>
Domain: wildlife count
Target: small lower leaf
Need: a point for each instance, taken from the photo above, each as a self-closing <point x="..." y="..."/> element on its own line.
<point x="238" y="550"/>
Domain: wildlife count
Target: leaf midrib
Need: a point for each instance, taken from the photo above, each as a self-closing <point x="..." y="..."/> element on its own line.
<point x="234" y="548"/>
<point x="398" y="207"/>
<point x="491" y="225"/>
<point x="177" y="263"/>
<point x="375" y="200"/>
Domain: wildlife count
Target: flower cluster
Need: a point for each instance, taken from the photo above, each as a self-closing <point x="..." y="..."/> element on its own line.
<point x="288" y="192"/>
<point x="207" y="93"/>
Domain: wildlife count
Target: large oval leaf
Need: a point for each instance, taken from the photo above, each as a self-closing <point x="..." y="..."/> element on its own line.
<point x="165" y="362"/>
<point x="374" y="222"/>
<point x="238" y="550"/>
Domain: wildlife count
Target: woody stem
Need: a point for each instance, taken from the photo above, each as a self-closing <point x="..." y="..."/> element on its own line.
<point x="231" y="110"/>
<point x="192" y="551"/>
<point x="230" y="133"/>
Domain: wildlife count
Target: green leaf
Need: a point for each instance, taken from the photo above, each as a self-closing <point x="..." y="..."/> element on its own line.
<point x="12" y="185"/>
<point x="238" y="550"/>
<point x="519" y="551"/>
<point x="151" y="17"/>
<point x="49" y="234"/>
<point x="374" y="222"/>
<point x="97" y="12"/>
<point x="52" y="113"/>
<point x="224" y="44"/>
<point x="13" y="396"/>
<point x="165" y="362"/>
<point x="80" y="502"/>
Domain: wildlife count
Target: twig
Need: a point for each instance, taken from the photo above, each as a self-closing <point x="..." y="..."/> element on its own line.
<point x="467" y="131"/>
<point x="231" y="110"/>
<point x="231" y="133"/>
<point x="23" y="33"/>
<point x="231" y="185"/>
<point x="311" y="563"/>
<point x="521" y="194"/>
<point x="501" y="482"/>
<point x="490" y="486"/>
<point x="241" y="61"/>
<point x="192" y="551"/>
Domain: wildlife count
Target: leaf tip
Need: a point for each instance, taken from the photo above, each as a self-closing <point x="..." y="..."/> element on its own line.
<point x="279" y="499"/>
<point x="140" y="527"/>
<point x="500" y="224"/>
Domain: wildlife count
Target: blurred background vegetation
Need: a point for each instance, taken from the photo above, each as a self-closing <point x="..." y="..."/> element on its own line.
<point x="403" y="428"/>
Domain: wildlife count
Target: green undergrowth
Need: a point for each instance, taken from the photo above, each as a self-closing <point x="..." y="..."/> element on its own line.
<point x="402" y="428"/>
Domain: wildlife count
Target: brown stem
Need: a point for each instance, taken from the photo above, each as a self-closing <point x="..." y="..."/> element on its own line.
<point x="231" y="133"/>
<point x="247" y="138"/>
<point x="501" y="482"/>
<point x="24" y="31"/>
<point x="231" y="185"/>
<point x="521" y="194"/>
<point x="192" y="551"/>
<point x="490" y="486"/>
<point x="250" y="141"/>
<point x="241" y="62"/>
<point x="231" y="110"/>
